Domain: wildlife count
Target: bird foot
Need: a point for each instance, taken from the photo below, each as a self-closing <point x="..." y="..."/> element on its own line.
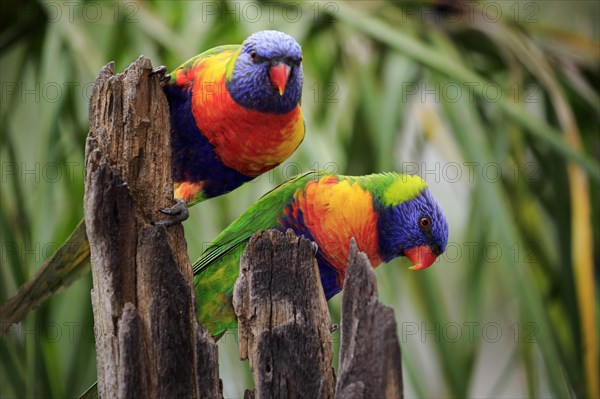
<point x="178" y="213"/>
<point x="164" y="77"/>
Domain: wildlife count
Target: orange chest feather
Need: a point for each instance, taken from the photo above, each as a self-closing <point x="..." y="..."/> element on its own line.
<point x="335" y="212"/>
<point x="245" y="140"/>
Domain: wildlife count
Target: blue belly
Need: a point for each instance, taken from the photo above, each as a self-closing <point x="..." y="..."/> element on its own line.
<point x="193" y="157"/>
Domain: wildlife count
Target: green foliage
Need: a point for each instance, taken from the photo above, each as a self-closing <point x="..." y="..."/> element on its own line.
<point x="485" y="100"/>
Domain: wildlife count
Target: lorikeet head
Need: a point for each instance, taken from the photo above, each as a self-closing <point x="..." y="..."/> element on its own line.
<point x="411" y="223"/>
<point x="267" y="73"/>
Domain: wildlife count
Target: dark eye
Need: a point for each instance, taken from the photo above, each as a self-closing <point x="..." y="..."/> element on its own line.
<point x="425" y="223"/>
<point x="253" y="55"/>
<point x="294" y="61"/>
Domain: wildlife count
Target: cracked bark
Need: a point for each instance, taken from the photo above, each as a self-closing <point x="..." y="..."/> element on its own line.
<point x="283" y="320"/>
<point x="370" y="363"/>
<point x="284" y="326"/>
<point x="148" y="342"/>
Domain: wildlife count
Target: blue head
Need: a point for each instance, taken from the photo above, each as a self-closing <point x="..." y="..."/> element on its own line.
<point x="267" y="74"/>
<point x="415" y="228"/>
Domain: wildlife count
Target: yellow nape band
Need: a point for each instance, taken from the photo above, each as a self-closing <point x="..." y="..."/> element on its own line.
<point x="231" y="64"/>
<point x="405" y="188"/>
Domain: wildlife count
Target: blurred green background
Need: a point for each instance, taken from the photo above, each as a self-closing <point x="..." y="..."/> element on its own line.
<point x="495" y="103"/>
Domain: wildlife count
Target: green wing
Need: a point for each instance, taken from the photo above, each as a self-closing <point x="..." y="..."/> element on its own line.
<point x="218" y="268"/>
<point x="262" y="215"/>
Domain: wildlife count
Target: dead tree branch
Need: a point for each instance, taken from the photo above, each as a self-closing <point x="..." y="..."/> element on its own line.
<point x="148" y="342"/>
<point x="283" y="320"/>
<point x="370" y="363"/>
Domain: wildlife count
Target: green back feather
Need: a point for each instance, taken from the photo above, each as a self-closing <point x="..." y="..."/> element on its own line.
<point x="261" y="216"/>
<point x="390" y="188"/>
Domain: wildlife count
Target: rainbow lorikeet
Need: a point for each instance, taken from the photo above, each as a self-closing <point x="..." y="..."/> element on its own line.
<point x="389" y="215"/>
<point x="235" y="114"/>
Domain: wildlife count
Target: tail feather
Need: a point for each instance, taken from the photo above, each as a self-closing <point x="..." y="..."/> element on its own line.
<point x="67" y="265"/>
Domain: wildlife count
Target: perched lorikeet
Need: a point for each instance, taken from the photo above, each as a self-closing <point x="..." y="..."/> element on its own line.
<point x="389" y="215"/>
<point x="235" y="113"/>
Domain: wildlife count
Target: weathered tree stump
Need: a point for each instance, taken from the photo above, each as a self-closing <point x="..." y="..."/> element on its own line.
<point x="148" y="342"/>
<point x="370" y="364"/>
<point x="283" y="320"/>
<point x="284" y="325"/>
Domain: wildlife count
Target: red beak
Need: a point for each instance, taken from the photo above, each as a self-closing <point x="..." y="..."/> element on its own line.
<point x="279" y="74"/>
<point x="422" y="257"/>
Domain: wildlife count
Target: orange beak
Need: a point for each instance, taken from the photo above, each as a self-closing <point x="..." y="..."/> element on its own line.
<point x="279" y="74"/>
<point x="422" y="257"/>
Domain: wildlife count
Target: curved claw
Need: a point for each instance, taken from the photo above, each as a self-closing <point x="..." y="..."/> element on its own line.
<point x="161" y="71"/>
<point x="178" y="213"/>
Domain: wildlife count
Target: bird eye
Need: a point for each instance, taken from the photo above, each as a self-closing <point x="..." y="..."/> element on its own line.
<point x="425" y="223"/>
<point x="253" y="55"/>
